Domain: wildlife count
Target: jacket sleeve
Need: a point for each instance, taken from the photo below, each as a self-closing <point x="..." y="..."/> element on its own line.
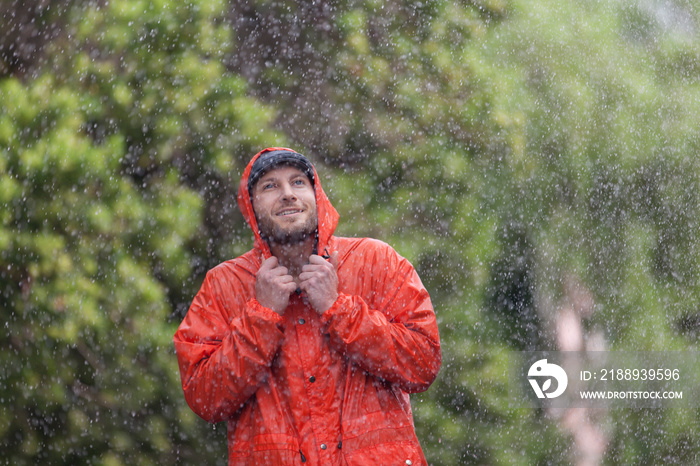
<point x="391" y="331"/>
<point x="225" y="347"/>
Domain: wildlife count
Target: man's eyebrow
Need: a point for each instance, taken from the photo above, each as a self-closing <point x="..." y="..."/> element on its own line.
<point x="267" y="177"/>
<point x="274" y="177"/>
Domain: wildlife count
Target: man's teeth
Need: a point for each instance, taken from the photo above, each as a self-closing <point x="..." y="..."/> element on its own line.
<point x="289" y="212"/>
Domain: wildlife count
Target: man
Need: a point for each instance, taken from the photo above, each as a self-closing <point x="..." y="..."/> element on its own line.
<point x="308" y="344"/>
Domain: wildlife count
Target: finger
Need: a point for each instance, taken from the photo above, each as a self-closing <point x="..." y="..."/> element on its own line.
<point x="317" y="260"/>
<point x="305" y="285"/>
<point x="334" y="259"/>
<point x="269" y="263"/>
<point x="271" y="275"/>
<point x="284" y="279"/>
<point x="278" y="271"/>
<point x="308" y="275"/>
<point x="314" y="268"/>
<point x="290" y="287"/>
<point x="271" y="267"/>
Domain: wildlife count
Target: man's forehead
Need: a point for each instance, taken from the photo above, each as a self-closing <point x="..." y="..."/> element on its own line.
<point x="283" y="171"/>
<point x="266" y="161"/>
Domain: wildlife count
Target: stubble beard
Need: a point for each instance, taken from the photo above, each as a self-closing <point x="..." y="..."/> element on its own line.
<point x="277" y="235"/>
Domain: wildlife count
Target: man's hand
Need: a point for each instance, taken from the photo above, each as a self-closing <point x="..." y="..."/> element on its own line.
<point x="319" y="280"/>
<point x="273" y="285"/>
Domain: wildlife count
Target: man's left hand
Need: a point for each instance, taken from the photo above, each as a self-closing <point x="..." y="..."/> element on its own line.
<point x="319" y="280"/>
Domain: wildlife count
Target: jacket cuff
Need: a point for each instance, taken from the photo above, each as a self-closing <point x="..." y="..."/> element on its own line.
<point x="255" y="309"/>
<point x="339" y="307"/>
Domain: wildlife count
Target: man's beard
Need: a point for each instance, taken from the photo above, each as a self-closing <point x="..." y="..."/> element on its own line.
<point x="274" y="234"/>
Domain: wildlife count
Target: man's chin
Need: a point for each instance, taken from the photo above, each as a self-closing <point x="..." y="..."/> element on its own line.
<point x="285" y="237"/>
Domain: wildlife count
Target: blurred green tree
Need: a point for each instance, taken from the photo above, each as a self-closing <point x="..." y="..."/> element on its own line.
<point x="115" y="191"/>
<point x="445" y="124"/>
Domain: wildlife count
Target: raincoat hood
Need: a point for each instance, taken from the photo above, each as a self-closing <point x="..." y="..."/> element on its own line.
<point x="327" y="215"/>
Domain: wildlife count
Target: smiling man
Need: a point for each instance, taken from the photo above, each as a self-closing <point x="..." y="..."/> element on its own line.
<point x="309" y="344"/>
<point x="283" y="198"/>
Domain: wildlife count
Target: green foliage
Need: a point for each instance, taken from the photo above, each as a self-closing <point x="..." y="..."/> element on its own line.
<point x="506" y="148"/>
<point x="105" y="154"/>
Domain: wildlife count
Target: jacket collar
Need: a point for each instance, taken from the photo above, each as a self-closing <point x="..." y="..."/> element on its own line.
<point x="327" y="215"/>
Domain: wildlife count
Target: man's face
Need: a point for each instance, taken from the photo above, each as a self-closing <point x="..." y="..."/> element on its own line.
<point x="284" y="202"/>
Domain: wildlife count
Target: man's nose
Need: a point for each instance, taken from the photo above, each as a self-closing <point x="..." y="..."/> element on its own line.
<point x="287" y="191"/>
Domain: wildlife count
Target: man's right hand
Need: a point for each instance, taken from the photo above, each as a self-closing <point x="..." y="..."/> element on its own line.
<point x="274" y="285"/>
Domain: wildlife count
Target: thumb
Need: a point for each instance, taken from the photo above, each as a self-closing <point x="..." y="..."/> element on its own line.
<point x="334" y="259"/>
<point x="269" y="263"/>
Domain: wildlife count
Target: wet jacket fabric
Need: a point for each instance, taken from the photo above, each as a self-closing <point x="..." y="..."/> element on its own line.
<point x="307" y="389"/>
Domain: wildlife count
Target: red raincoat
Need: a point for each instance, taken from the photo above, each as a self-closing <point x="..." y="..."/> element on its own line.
<point x="303" y="388"/>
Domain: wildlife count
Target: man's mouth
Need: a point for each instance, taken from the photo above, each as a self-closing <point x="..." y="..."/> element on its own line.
<point x="287" y="212"/>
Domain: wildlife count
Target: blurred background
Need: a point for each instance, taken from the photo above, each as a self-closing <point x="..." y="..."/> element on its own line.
<point x="536" y="160"/>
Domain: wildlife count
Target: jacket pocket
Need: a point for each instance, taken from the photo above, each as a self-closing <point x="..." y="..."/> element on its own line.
<point x="386" y="438"/>
<point x="267" y="449"/>
<point x="388" y="454"/>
